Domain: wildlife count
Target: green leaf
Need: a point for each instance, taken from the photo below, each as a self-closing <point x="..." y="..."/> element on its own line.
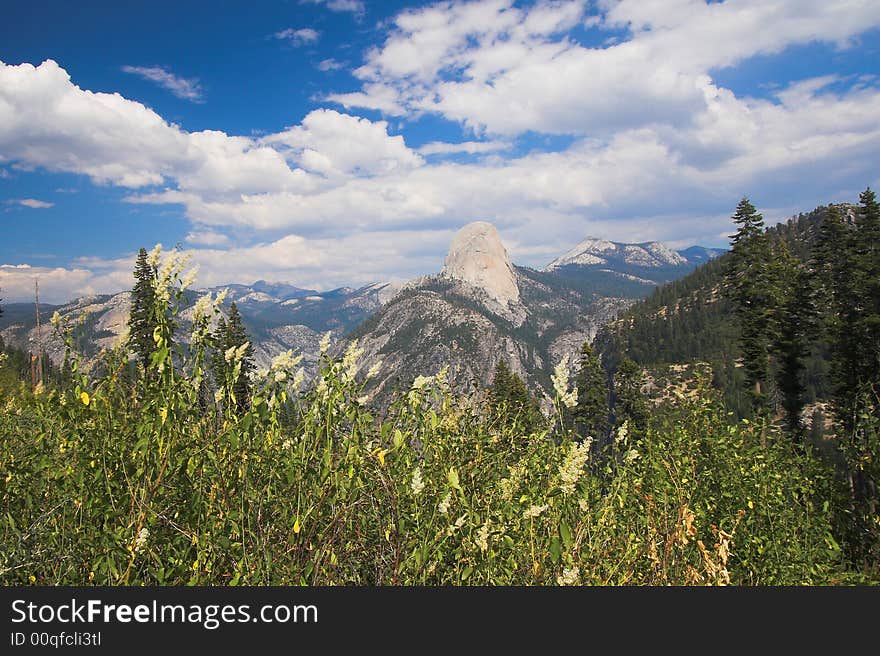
<point x="555" y="550"/>
<point x="565" y="532"/>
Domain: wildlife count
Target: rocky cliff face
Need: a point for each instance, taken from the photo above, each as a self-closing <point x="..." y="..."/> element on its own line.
<point x="481" y="309"/>
<point x="478" y="259"/>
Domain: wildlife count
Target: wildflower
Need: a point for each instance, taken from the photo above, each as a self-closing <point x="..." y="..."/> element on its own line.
<point x="460" y="521"/>
<point x="298" y="378"/>
<point x="421" y="381"/>
<point x="418" y="385"/>
<point x="285" y="360"/>
<point x="374" y="370"/>
<point x="349" y="361"/>
<point x="230" y="354"/>
<point x="560" y="384"/>
<point x="56" y="319"/>
<point x="325" y="342"/>
<point x="363" y="400"/>
<point x="189" y="278"/>
<point x="241" y="350"/>
<point x="287" y="444"/>
<point x="573" y="465"/>
<point x="84" y="397"/>
<point x="417" y="484"/>
<point x="569" y="576"/>
<point x="584" y="505"/>
<point x="511" y="484"/>
<point x="280" y="376"/>
<point x="153" y="257"/>
<point x="221" y="297"/>
<point x="443" y="506"/>
<point x="200" y="309"/>
<point x="622" y="432"/>
<point x="631" y="456"/>
<point x="141" y="540"/>
<point x="534" y="511"/>
<point x="483" y="537"/>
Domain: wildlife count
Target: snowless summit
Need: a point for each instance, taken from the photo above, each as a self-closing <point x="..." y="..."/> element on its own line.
<point x="477" y="257"/>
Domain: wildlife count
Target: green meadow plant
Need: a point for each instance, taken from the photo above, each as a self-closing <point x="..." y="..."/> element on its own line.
<point x="116" y="479"/>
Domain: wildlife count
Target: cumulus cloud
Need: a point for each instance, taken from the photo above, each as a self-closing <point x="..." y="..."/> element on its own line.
<point x="331" y="143"/>
<point x="500" y="69"/>
<point x="300" y="37"/>
<point x="330" y="65"/>
<point x="469" y="147"/>
<point x="207" y="238"/>
<point x="32" y="203"/>
<point x="187" y="89"/>
<point x="59" y="284"/>
<point x="351" y="6"/>
<point x="655" y="147"/>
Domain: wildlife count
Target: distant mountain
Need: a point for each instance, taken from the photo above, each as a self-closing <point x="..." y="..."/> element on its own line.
<point x="700" y="255"/>
<point x="278" y="317"/>
<point x="626" y="270"/>
<point x="478" y="310"/>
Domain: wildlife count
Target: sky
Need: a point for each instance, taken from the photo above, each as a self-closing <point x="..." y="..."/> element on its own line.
<point x="333" y="143"/>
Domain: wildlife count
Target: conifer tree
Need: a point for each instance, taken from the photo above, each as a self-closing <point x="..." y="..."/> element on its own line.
<point x="750" y="290"/>
<point x="510" y="398"/>
<point x="500" y="391"/>
<point x="591" y="412"/>
<point x="142" y="319"/>
<point x="868" y="281"/>
<point x="231" y="334"/>
<point x="630" y="404"/>
<point x="791" y="330"/>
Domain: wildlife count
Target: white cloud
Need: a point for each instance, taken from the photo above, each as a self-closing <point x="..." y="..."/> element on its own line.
<point x="207" y="238"/>
<point x="300" y="37"/>
<point x="330" y="65"/>
<point x="351" y="6"/>
<point x="503" y="70"/>
<point x="187" y="89"/>
<point x="470" y="147"/>
<point x="335" y="144"/>
<point x="32" y="203"/>
<point x="58" y="284"/>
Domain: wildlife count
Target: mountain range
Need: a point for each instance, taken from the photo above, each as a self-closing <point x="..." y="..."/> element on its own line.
<point x="480" y="308"/>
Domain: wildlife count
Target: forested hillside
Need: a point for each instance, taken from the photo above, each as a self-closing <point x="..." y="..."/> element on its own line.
<point x="692" y="320"/>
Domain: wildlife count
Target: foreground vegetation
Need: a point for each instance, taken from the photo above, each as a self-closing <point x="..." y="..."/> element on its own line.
<point x="165" y="463"/>
<point x="117" y="480"/>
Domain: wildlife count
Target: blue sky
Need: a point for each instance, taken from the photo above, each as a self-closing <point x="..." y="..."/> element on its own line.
<point x="340" y="142"/>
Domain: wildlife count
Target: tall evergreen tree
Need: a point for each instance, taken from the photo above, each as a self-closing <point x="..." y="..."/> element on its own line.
<point x="591" y="412"/>
<point x="142" y="319"/>
<point x="791" y="330"/>
<point x="750" y="289"/>
<point x="868" y="253"/>
<point x="231" y="334"/>
<point x="630" y="404"/>
<point x="510" y="398"/>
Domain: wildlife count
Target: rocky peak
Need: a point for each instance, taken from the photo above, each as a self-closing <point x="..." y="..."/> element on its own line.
<point x="478" y="258"/>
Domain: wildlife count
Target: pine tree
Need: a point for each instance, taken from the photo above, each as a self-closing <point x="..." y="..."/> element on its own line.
<point x="791" y="330"/>
<point x="868" y="253"/>
<point x="231" y="334"/>
<point x="510" y="399"/>
<point x="142" y="319"/>
<point x="630" y="404"/>
<point x="750" y="290"/>
<point x="591" y="412"/>
<point x="500" y="390"/>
